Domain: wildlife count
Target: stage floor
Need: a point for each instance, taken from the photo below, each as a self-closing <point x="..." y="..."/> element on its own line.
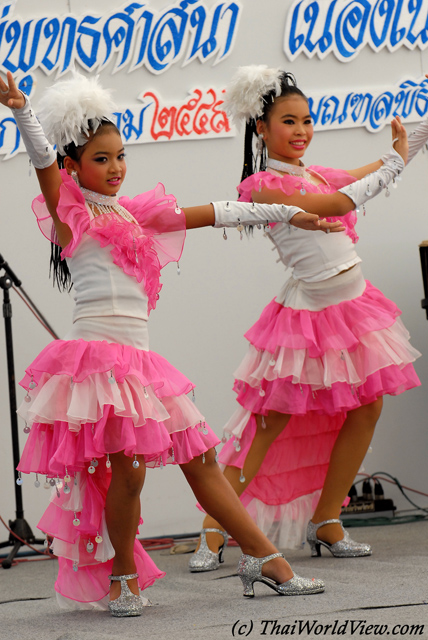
<point x="388" y="590"/>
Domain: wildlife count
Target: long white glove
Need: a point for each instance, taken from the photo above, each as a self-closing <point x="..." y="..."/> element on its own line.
<point x="239" y="214"/>
<point x="41" y="152"/>
<point x="373" y="183"/>
<point x="417" y="139"/>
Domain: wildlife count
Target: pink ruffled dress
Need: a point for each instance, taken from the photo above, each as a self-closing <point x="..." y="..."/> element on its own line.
<point x="324" y="346"/>
<point x="101" y="390"/>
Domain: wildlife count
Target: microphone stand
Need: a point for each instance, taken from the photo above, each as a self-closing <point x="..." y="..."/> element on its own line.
<point x="19" y="526"/>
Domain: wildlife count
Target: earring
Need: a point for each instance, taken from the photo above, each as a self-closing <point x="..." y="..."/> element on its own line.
<point x="260" y="142"/>
<point x="75" y="177"/>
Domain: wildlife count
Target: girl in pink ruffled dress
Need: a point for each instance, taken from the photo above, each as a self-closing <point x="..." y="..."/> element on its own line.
<point x="323" y="352"/>
<point x="101" y="406"/>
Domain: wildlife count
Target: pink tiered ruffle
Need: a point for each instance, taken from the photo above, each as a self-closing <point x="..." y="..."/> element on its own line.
<point x="316" y="366"/>
<point x="336" y="179"/>
<point x="87" y="400"/>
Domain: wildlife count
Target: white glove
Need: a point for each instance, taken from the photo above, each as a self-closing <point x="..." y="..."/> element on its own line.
<point x="417" y="139"/>
<point x="373" y="183"/>
<point x="41" y="152"/>
<point x="239" y="214"/>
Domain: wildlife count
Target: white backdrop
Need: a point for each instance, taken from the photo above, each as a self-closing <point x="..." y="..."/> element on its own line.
<point x="202" y="314"/>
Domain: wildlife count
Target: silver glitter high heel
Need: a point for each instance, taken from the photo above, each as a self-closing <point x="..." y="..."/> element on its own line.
<point x="250" y="571"/>
<point x="204" y="559"/>
<point x="345" y="548"/>
<point x="127" y="604"/>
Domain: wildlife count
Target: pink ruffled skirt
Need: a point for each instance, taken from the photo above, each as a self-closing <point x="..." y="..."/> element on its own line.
<point x="318" y="351"/>
<point x="87" y="399"/>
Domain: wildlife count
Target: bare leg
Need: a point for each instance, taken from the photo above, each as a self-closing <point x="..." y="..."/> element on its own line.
<point x="274" y="423"/>
<point x="348" y="453"/>
<point x="218" y="498"/>
<point x="123" y="515"/>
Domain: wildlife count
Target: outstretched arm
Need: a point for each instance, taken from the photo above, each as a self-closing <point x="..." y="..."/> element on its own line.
<point x="39" y="149"/>
<point x="373" y="178"/>
<point x="205" y="216"/>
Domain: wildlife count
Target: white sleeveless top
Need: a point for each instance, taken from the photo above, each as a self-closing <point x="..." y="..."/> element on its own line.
<point x="101" y="287"/>
<point x="313" y="256"/>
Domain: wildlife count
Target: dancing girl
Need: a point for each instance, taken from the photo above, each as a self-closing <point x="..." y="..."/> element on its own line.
<point x="324" y="352"/>
<point x="101" y="406"/>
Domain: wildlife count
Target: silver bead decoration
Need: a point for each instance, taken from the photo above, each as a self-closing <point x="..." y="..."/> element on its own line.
<point x="263" y="425"/>
<point x="178" y="269"/>
<point x="75" y="566"/>
<point x="262" y="393"/>
<point x="177" y="210"/>
<point x="193" y="397"/>
<point x="19" y="480"/>
<point x="173" y="455"/>
<point x="242" y="477"/>
<point x="52" y="482"/>
<point x="227" y="207"/>
<point x="224" y="439"/>
<point x="203" y="458"/>
<point x="368" y="192"/>
<point x="111" y="378"/>
<point x="37" y="482"/>
<point x="94" y="462"/>
<point x="26" y="428"/>
<point x="98" y="538"/>
<point x="91" y="469"/>
<point x="237" y="446"/>
<point x="108" y="462"/>
<point x="90" y="547"/>
<point x="66" y="488"/>
<point x="76" y="520"/>
<point x="67" y="478"/>
<point x="387" y="192"/>
<point x="135" y="464"/>
<point x="205" y="430"/>
<point x="303" y="191"/>
<point x="224" y="233"/>
<point x="27" y="397"/>
<point x="32" y="384"/>
<point x="272" y="362"/>
<point x="47" y="484"/>
<point x="146" y="395"/>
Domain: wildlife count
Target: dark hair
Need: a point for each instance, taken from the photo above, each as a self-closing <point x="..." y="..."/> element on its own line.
<point x="58" y="269"/>
<point x="254" y="159"/>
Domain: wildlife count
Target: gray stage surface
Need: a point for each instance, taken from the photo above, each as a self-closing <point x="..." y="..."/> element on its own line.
<point x="388" y="590"/>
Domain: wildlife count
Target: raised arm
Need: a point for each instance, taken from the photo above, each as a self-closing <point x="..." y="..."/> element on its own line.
<point x="41" y="153"/>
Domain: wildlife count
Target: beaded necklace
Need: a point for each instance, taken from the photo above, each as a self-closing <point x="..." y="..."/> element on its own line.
<point x="292" y="169"/>
<point x="99" y="204"/>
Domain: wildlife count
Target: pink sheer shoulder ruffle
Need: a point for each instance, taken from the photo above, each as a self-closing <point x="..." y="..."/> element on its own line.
<point x="140" y="250"/>
<point x="335" y="178"/>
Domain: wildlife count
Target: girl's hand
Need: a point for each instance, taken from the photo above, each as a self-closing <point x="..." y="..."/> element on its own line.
<point x="312" y="222"/>
<point x="399" y="137"/>
<point x="10" y="95"/>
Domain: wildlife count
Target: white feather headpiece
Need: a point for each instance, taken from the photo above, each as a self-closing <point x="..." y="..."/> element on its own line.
<point x="244" y="94"/>
<point x="70" y="109"/>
